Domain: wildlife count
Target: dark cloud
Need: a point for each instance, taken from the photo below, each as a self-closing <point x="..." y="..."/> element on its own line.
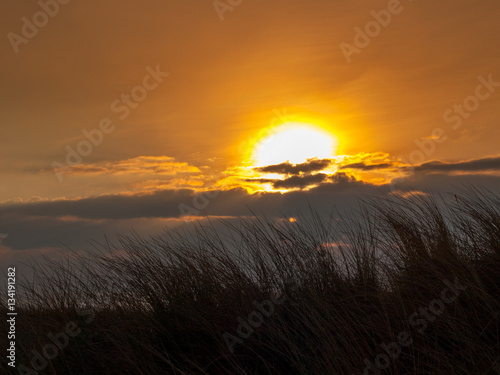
<point x="165" y="203"/>
<point x="367" y="167"/>
<point x="73" y="222"/>
<point x="476" y="165"/>
<point x="300" y="181"/>
<point x="313" y="165"/>
<point x="142" y="164"/>
<point x="160" y="204"/>
<point x="341" y="177"/>
<point x="261" y="180"/>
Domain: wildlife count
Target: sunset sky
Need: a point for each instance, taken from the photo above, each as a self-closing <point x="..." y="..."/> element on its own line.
<point x="257" y="103"/>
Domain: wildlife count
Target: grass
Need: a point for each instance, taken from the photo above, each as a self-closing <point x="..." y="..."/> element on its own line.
<point x="343" y="286"/>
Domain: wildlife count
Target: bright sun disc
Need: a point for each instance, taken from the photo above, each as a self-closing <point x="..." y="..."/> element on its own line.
<point x="294" y="142"/>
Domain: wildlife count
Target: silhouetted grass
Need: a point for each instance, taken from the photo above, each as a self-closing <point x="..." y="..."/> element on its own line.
<point x="347" y="285"/>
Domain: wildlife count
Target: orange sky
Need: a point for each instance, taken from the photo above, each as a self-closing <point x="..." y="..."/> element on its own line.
<point x="211" y="87"/>
<point x="228" y="78"/>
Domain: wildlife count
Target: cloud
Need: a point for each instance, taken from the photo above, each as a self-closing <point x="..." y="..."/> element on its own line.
<point x="158" y="165"/>
<point x="162" y="203"/>
<point x="300" y="182"/>
<point x="52" y="223"/>
<point x="294" y="182"/>
<point x="375" y="168"/>
<point x="367" y="167"/>
<point x="342" y="177"/>
<point x="43" y="223"/>
<point x="300" y="176"/>
<point x="72" y="222"/>
<point x="487" y="164"/>
<point x="312" y="165"/>
<point x="385" y="170"/>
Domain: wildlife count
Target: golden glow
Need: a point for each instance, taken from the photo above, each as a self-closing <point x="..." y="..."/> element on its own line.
<point x="294" y="142"/>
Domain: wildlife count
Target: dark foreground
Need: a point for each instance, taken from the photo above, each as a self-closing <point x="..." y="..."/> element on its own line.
<point x="407" y="286"/>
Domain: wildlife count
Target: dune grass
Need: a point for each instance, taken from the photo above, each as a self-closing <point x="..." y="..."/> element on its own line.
<point x="343" y="288"/>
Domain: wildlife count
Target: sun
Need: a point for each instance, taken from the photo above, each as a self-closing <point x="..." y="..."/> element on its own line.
<point x="294" y="142"/>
